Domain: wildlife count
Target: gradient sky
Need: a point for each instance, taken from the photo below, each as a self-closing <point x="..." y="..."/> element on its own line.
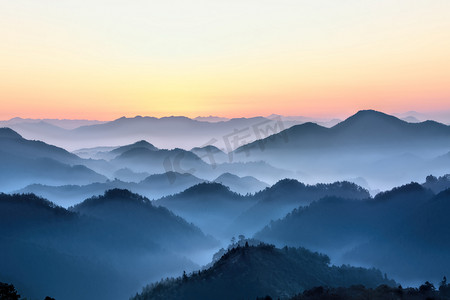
<point x="102" y="59"/>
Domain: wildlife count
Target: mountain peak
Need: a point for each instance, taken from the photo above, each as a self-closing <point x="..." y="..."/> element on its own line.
<point x="207" y="188"/>
<point x="372" y="115"/>
<point x="370" y="123"/>
<point x="6" y="132"/>
<point x="143" y="143"/>
<point x="116" y="195"/>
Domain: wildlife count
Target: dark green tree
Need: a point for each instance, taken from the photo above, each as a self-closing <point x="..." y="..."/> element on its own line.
<point x="8" y="292"/>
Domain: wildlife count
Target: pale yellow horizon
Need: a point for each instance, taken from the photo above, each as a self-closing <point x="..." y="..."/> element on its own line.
<point x="106" y="59"/>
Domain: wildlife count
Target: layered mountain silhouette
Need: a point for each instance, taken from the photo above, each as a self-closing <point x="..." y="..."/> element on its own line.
<point x="257" y="271"/>
<point x="212" y="206"/>
<point x="241" y="185"/>
<point x="134" y="205"/>
<point x="166" y="132"/>
<point x="211" y="154"/>
<point x="153" y="187"/>
<point x="133" y="212"/>
<point x="221" y="212"/>
<point x="276" y="201"/>
<point x="105" y="247"/>
<point x="25" y="162"/>
<point x="401" y="231"/>
<point x="353" y="148"/>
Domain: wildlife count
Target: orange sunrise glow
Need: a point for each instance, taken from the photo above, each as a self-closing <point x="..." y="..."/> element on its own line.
<point x="106" y="59"/>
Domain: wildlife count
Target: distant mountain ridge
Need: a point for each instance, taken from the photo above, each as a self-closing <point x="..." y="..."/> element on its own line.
<point x="166" y="132"/>
<point x="353" y="148"/>
<point x="25" y="162"/>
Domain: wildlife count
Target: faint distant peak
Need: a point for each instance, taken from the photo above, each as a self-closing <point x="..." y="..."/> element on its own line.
<point x="411" y="119"/>
<point x="227" y="175"/>
<point x="6" y="132"/>
<point x="211" y="119"/>
<point x="142" y="144"/>
<point x="207" y="148"/>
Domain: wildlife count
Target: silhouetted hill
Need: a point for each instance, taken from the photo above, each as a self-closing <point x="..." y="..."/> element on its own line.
<point x="242" y="185"/>
<point x="142" y="159"/>
<point x="139" y="144"/>
<point x="219" y="211"/>
<point x="19" y="171"/>
<point x="9" y="133"/>
<point x="417" y="246"/>
<point x="42" y="244"/>
<point x="211" y="206"/>
<point x="257" y="169"/>
<point x="401" y="231"/>
<point x="106" y="250"/>
<point x="437" y="184"/>
<point x="12" y="142"/>
<point x="329" y="222"/>
<point x="251" y="271"/>
<point x="211" y="154"/>
<point x="25" y="162"/>
<point x="276" y="201"/>
<point x="157" y="224"/>
<point x="160" y="185"/>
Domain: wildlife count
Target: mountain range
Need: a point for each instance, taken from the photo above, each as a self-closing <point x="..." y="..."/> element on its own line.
<point x="382" y="149"/>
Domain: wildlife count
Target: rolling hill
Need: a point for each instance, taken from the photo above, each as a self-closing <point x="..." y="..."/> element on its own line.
<point x="257" y="271"/>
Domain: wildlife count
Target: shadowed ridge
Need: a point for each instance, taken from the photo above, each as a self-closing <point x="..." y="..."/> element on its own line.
<point x="261" y="270"/>
<point x="6" y="132"/>
<point x="412" y="188"/>
<point x="139" y="144"/>
<point x="117" y="195"/>
<point x="213" y="188"/>
<point x="369" y="117"/>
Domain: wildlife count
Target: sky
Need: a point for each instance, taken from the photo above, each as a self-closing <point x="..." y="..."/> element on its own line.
<point x="103" y="59"/>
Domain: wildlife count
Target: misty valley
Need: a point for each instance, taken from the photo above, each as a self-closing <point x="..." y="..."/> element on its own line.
<point x="249" y="208"/>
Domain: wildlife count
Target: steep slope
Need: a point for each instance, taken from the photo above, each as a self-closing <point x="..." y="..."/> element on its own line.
<point x="251" y="271"/>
